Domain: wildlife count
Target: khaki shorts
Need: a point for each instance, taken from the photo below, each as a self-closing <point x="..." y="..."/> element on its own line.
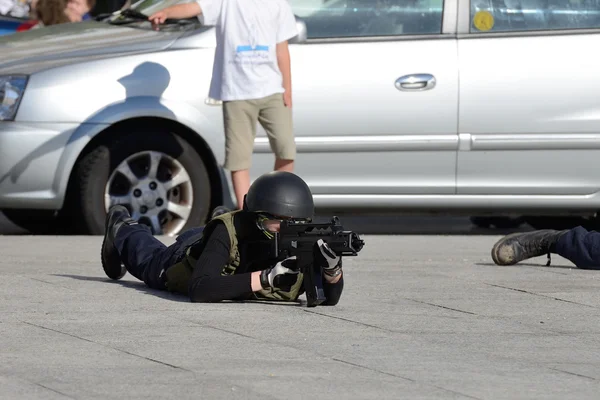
<point x="240" y="118"/>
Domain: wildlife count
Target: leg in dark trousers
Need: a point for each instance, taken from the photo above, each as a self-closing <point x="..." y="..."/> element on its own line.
<point x="147" y="258"/>
<point x="581" y="247"/>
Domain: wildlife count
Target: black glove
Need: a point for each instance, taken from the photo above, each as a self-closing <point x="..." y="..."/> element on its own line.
<point x="332" y="264"/>
<point x="282" y="276"/>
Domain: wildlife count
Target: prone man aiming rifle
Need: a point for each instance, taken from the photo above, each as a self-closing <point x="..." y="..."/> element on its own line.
<point x="298" y="238"/>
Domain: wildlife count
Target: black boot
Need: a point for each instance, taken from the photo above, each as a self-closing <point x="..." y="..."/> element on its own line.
<point x="111" y="261"/>
<point x="520" y="246"/>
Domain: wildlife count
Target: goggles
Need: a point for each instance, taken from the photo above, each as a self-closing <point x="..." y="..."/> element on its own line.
<point x="263" y="219"/>
<point x="261" y="223"/>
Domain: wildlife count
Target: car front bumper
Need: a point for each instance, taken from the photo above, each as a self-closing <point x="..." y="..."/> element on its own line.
<point x="35" y="163"/>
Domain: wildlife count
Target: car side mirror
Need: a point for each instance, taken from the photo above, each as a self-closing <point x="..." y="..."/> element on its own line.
<point x="301" y="28"/>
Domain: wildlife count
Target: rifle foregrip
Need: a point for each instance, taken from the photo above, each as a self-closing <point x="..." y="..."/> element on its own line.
<point x="346" y="244"/>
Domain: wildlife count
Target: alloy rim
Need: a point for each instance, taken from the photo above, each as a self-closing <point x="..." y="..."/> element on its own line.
<point x="155" y="188"/>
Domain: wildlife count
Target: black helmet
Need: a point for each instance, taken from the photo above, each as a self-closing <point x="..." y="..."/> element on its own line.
<point x="280" y="193"/>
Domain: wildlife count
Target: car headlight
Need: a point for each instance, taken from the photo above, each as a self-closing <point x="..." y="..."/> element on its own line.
<point x="11" y="92"/>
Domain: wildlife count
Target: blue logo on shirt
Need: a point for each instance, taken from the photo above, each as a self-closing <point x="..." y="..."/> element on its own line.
<point x="241" y="49"/>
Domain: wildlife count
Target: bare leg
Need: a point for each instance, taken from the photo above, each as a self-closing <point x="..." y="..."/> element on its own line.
<point x="241" y="184"/>
<point x="284" y="165"/>
<point x="276" y="119"/>
<point x="240" y="130"/>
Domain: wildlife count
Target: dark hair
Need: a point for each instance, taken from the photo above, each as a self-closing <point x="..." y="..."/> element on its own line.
<point x="51" y="12"/>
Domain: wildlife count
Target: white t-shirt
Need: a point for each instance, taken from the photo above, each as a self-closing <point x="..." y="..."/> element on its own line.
<point x="245" y="64"/>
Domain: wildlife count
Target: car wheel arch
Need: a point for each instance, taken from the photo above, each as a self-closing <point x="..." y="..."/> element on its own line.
<point x="191" y="136"/>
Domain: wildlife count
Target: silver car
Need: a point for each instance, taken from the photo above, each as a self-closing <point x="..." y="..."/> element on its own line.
<point x="455" y="106"/>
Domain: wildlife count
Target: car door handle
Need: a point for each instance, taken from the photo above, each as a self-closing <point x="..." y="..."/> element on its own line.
<point x="415" y="82"/>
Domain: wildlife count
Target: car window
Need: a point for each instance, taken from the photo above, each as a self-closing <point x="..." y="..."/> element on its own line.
<point x="533" y="15"/>
<point x="366" y="18"/>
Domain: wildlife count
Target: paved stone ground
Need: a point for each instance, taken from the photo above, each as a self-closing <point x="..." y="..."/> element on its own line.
<point x="421" y="317"/>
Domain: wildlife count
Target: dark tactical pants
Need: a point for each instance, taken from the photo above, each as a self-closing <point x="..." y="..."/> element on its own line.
<point x="146" y="257"/>
<point x="581" y="247"/>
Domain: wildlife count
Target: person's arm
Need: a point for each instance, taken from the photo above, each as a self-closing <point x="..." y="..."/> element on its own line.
<point x="177" y="11"/>
<point x="286" y="30"/>
<point x="207" y="283"/>
<point x="333" y="290"/>
<point x="333" y="281"/>
<point x="284" y="63"/>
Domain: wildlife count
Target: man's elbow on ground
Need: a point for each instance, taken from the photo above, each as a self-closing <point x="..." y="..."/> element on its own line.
<point x="333" y="292"/>
<point x="331" y="301"/>
<point x="200" y="292"/>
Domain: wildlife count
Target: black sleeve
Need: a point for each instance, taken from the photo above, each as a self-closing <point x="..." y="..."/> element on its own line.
<point x="207" y="283"/>
<point x="333" y="291"/>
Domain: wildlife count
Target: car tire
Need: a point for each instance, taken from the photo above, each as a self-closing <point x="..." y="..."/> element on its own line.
<point x="507" y="222"/>
<point x="498" y="222"/>
<point x="552" y="222"/>
<point x="103" y="171"/>
<point x="481" y="222"/>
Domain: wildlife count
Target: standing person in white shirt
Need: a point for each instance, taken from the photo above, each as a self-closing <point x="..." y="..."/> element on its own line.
<point x="251" y="75"/>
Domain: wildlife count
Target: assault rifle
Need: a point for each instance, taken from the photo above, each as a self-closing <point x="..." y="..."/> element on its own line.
<point x="298" y="238"/>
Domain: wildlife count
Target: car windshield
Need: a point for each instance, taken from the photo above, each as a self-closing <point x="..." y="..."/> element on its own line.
<point x="149" y="7"/>
<point x="360" y="18"/>
<point x="137" y="16"/>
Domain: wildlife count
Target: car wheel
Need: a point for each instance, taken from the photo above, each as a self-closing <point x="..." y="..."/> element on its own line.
<point x="481" y="222"/>
<point x="507" y="222"/>
<point x="551" y="222"/>
<point x="498" y="222"/>
<point x="158" y="177"/>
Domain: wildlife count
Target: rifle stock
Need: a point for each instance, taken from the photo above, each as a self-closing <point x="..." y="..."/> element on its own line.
<point x="297" y="238"/>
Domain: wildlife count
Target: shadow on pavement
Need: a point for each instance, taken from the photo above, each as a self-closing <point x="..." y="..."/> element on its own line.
<point x="139" y="286"/>
<point x="374" y="225"/>
<point x="525" y="264"/>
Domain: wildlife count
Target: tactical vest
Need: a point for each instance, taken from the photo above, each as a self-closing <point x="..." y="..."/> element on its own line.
<point x="179" y="275"/>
